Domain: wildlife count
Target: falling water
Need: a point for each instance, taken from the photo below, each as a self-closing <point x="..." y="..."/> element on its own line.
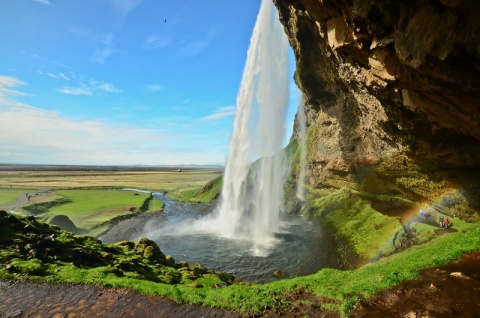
<point x="252" y="194"/>
<point x="302" y="132"/>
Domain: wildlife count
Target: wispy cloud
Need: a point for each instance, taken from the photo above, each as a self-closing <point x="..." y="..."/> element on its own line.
<point x="124" y="7"/>
<point x="155" y="88"/>
<point x="220" y="113"/>
<point x="196" y="46"/>
<point x="109" y="88"/>
<point x="7" y="89"/>
<point x="43" y="2"/>
<point x="91" y="88"/>
<point x="100" y="56"/>
<point x="75" y="90"/>
<point x="158" y="41"/>
<point x="184" y="46"/>
<point x="56" y="76"/>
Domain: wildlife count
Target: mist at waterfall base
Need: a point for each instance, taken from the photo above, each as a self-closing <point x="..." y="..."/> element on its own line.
<point x="247" y="234"/>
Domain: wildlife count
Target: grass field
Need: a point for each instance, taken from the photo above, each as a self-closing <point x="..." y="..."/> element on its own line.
<point x="10" y="195"/>
<point x="91" y="199"/>
<point x="163" y="181"/>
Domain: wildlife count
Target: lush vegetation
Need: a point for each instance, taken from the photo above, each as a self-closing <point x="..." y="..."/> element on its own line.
<point x="44" y="252"/>
<point x="205" y="194"/>
<point x="28" y="249"/>
<point x="94" y="209"/>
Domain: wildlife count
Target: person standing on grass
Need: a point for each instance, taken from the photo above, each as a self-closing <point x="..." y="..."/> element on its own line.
<point x="440" y="221"/>
<point x="446" y="223"/>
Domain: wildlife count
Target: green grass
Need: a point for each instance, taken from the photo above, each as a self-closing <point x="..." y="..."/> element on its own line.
<point x="90" y="208"/>
<point x="129" y="265"/>
<point x="369" y="233"/>
<point x="10" y="195"/>
<point x="205" y="194"/>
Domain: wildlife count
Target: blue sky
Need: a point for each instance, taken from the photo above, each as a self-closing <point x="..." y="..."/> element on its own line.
<point x="149" y="82"/>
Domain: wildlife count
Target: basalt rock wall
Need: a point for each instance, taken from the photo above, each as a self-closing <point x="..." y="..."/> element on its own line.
<point x="392" y="95"/>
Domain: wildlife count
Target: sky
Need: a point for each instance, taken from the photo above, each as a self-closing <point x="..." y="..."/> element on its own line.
<point x="122" y="82"/>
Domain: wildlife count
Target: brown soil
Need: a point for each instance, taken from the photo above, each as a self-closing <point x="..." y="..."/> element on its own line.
<point x="33" y="299"/>
<point x="448" y="291"/>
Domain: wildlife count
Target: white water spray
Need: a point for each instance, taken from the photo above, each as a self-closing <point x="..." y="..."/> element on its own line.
<point x="252" y="194"/>
<point x="302" y="132"/>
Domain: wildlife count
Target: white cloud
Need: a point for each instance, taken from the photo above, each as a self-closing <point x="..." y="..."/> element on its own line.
<point x="75" y="91"/>
<point x="7" y="91"/>
<point x="93" y="87"/>
<point x="57" y="76"/>
<point x="155" y="88"/>
<point x="43" y="2"/>
<point x="109" y="88"/>
<point x="33" y="135"/>
<point x="220" y="113"/>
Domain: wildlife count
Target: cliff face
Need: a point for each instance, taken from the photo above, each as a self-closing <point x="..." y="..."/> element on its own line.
<point x="392" y="92"/>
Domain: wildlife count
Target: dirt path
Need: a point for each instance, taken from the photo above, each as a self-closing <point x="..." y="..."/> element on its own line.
<point x="22" y="199"/>
<point x="42" y="300"/>
<point x="447" y="291"/>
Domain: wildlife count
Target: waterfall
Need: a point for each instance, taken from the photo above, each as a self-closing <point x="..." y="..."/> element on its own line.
<point x="302" y="132"/>
<point x="255" y="172"/>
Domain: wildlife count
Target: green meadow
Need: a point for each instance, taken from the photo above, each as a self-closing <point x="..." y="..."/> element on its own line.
<point x="10" y="195"/>
<point x="93" y="200"/>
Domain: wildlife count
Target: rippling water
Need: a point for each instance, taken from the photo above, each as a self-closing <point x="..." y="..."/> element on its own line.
<point x="300" y="247"/>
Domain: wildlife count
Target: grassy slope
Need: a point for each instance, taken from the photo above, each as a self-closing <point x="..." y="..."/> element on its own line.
<point x="368" y="232"/>
<point x="93" y="209"/>
<point x="205" y="194"/>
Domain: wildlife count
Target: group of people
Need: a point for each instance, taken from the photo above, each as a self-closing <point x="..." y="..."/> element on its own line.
<point x="424" y="214"/>
<point x="443" y="222"/>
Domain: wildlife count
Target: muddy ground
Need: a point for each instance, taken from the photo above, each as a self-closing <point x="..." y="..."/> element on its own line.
<point x="448" y="291"/>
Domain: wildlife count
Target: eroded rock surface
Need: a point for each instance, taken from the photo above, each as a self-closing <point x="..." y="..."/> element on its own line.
<point x="392" y="91"/>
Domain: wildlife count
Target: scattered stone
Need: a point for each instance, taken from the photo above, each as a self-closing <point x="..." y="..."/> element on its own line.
<point x="459" y="274"/>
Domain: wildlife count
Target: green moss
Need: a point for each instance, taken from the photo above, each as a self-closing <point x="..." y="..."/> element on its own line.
<point x="424" y="232"/>
<point x="368" y="233"/>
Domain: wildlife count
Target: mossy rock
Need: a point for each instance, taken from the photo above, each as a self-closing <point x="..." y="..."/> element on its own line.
<point x="149" y="249"/>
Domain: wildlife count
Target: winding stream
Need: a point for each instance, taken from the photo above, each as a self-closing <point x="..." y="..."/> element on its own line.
<point x="301" y="248"/>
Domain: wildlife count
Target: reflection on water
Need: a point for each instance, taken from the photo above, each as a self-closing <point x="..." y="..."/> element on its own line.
<point x="300" y="247"/>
